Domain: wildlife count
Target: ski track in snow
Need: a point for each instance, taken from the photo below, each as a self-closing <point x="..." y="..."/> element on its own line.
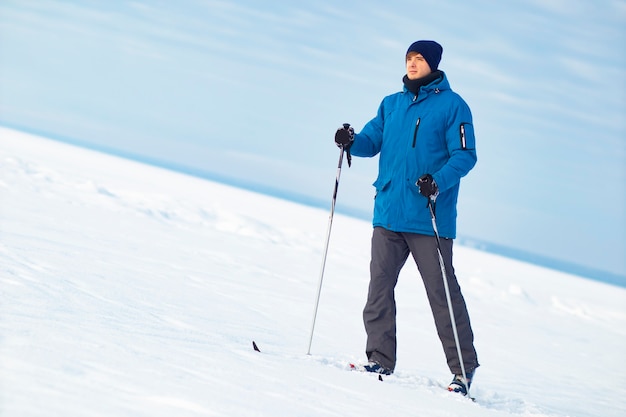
<point x="131" y="290"/>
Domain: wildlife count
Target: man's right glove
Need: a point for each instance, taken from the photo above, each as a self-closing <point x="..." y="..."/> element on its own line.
<point x="344" y="136"/>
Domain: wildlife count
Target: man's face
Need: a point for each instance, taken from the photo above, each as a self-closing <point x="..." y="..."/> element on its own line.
<point x="416" y="66"/>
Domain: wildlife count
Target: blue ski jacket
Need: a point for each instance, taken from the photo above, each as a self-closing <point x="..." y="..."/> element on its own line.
<point x="427" y="133"/>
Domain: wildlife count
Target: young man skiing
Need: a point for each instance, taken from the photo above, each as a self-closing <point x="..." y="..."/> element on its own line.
<point x="425" y="141"/>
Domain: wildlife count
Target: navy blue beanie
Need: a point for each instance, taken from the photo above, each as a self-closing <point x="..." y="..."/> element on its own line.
<point x="430" y="50"/>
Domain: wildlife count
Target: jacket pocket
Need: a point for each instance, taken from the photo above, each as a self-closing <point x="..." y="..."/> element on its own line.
<point x="381" y="183"/>
<point x="466" y="136"/>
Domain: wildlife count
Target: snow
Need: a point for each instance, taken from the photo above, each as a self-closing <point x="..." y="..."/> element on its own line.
<point x="130" y="290"/>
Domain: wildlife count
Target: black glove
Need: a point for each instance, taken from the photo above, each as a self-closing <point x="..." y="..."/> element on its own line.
<point x="428" y="186"/>
<point x="344" y="136"/>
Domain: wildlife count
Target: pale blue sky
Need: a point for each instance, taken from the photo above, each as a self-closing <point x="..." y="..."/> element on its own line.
<point x="253" y="91"/>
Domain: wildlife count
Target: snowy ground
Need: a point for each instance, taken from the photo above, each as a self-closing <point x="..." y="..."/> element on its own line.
<point x="128" y="290"/>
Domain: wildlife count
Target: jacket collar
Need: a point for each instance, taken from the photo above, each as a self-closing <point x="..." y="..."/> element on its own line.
<point x="436" y="80"/>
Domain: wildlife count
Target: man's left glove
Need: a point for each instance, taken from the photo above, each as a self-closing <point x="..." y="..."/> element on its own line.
<point x="428" y="186"/>
<point x="344" y="136"/>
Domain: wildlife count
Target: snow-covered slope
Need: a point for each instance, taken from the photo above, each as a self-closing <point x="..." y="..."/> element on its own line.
<point x="128" y="290"/>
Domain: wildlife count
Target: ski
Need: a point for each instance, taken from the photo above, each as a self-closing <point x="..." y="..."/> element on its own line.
<point x="355" y="367"/>
<point x="361" y="368"/>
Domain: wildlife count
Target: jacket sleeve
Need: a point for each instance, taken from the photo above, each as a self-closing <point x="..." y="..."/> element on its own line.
<point x="368" y="142"/>
<point x="461" y="145"/>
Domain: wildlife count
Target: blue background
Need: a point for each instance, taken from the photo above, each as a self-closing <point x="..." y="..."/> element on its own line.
<point x="251" y="92"/>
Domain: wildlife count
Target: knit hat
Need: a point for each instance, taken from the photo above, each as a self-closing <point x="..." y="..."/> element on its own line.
<point x="430" y="50"/>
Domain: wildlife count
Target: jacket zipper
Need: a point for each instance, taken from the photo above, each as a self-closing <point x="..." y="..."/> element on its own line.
<point x="417" y="125"/>
<point x="463" y="139"/>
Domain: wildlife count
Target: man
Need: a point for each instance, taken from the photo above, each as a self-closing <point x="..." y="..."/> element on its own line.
<point x="425" y="140"/>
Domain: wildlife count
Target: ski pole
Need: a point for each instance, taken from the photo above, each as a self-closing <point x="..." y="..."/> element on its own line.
<point x="448" y="298"/>
<point x="330" y="224"/>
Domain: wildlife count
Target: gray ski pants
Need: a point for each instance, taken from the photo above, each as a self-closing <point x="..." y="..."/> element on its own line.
<point x="390" y="251"/>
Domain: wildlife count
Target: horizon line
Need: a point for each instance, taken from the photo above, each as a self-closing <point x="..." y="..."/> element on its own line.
<point x="594" y="274"/>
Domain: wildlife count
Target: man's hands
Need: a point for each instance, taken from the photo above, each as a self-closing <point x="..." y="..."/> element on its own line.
<point x="344" y="136"/>
<point x="428" y="186"/>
